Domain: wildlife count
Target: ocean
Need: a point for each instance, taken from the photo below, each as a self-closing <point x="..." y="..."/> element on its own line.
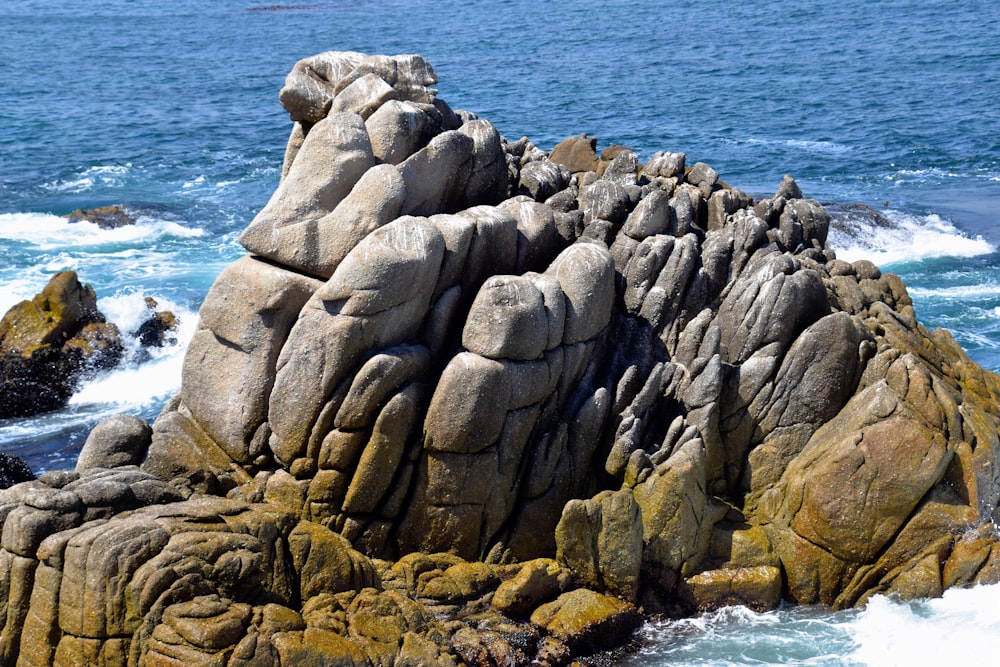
<point x="170" y="108"/>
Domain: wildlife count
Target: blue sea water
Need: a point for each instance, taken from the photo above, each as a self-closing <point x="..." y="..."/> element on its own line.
<point x="171" y="108"/>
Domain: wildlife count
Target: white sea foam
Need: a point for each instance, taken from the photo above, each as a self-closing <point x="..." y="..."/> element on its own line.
<point x="988" y="289"/>
<point x="38" y="245"/>
<point x="906" y="238"/>
<point x="807" y="145"/>
<point x="962" y="627"/>
<point x="147" y="375"/>
<point x="45" y="232"/>
<point x="19" y="288"/>
<point x="104" y="175"/>
<point x="819" y="146"/>
<point x="932" y="173"/>
<point x="134" y="386"/>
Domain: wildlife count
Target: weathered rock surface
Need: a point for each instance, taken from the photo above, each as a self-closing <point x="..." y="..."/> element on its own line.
<point x="467" y="402"/>
<point x="49" y="343"/>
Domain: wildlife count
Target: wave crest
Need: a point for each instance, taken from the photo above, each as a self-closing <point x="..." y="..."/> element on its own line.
<point x="892" y="237"/>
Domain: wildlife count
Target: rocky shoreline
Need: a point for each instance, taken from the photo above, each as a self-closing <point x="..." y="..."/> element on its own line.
<point x="469" y="402"/>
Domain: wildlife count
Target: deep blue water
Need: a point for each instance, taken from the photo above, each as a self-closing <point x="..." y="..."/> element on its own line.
<point x="171" y="107"/>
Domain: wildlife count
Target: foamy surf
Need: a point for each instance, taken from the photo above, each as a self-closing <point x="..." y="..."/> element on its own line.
<point x="804" y="145"/>
<point x="39" y="245"/>
<point x="106" y="175"/>
<point x="133" y="387"/>
<point x="46" y="232"/>
<point x="892" y="237"/>
<point x="737" y="637"/>
<point x="885" y="633"/>
<point x="987" y="290"/>
<point x="890" y="633"/>
<point x="139" y="385"/>
<point x="147" y="375"/>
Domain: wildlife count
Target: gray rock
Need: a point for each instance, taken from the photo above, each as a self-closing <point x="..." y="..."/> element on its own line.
<point x="375" y="201"/>
<point x="397" y="130"/>
<point x="295" y="139"/>
<point x="410" y="74"/>
<point x="772" y="304"/>
<point x="586" y="274"/>
<point x="543" y="178"/>
<point x="624" y="169"/>
<point x="331" y="79"/>
<point x="379" y="378"/>
<point x="507" y="320"/>
<point x="673" y="505"/>
<point x="485" y="181"/>
<point x="432" y="173"/>
<point x="601" y="540"/>
<point x="230" y="364"/>
<point x="810" y="217"/>
<point x="604" y="200"/>
<point x="722" y="204"/>
<point x="334" y="156"/>
<point x="644" y="267"/>
<point x="310" y="86"/>
<point x="363" y="96"/>
<point x="788" y="189"/>
<point x="703" y="177"/>
<point x="538" y="237"/>
<point x="377" y="298"/>
<point x="688" y="209"/>
<point x="667" y="165"/>
<point x="121" y="440"/>
<point x="650" y="217"/>
<point x="493" y="249"/>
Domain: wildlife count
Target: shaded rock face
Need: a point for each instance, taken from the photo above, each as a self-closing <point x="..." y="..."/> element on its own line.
<point x="13" y="470"/>
<point x="550" y="387"/>
<point x="49" y="343"/>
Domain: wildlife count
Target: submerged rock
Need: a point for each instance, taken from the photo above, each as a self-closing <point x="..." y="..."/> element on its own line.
<point x="469" y="402"/>
<point x="105" y="217"/>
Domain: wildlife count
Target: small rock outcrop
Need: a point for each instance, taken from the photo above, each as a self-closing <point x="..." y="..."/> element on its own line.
<point x="105" y="217"/>
<point x="13" y="470"/>
<point x="158" y="329"/>
<point x="49" y="343"/>
<point x="469" y="402"/>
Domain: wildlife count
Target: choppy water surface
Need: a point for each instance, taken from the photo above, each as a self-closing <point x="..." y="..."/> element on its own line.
<point x="962" y="627"/>
<point x="171" y="108"/>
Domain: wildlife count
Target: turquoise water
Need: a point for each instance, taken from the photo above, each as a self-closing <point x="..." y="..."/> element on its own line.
<point x="171" y="108"/>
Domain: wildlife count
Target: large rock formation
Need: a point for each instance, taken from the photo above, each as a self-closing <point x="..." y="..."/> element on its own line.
<point x="456" y="378"/>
